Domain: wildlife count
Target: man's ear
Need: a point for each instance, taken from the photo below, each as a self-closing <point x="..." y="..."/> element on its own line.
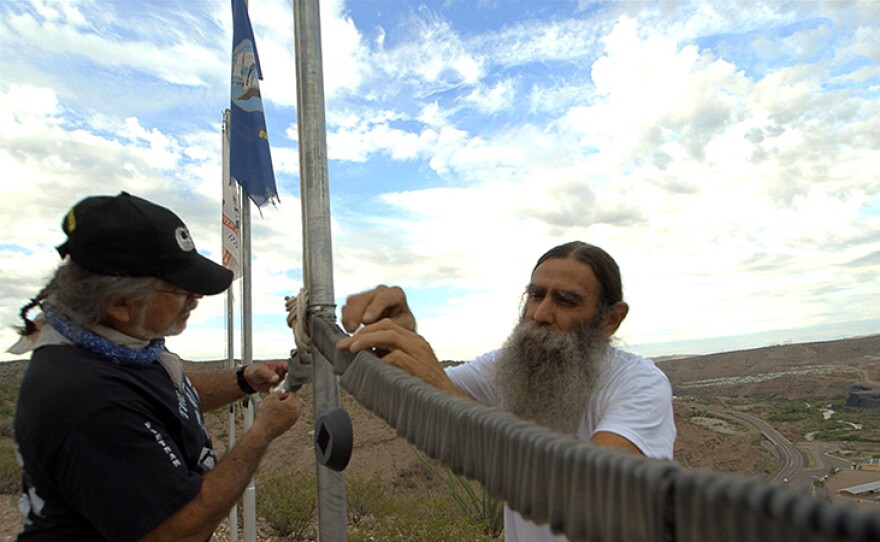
<point x="120" y="311"/>
<point x="614" y="316"/>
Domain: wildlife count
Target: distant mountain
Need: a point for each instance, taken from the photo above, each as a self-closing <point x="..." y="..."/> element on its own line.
<point x="792" y="370"/>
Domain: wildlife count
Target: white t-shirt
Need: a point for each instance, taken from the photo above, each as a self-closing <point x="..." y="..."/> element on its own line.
<point x="633" y="399"/>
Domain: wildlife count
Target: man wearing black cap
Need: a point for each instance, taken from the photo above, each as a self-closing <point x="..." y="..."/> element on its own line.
<point x="108" y="427"/>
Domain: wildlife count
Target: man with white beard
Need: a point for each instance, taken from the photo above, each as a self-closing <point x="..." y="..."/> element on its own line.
<point x="557" y="368"/>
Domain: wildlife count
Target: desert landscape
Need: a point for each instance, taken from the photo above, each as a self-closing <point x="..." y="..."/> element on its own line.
<point x="801" y="390"/>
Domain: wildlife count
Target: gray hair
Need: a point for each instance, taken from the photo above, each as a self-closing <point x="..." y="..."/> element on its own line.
<point x="603" y="265"/>
<point x="83" y="296"/>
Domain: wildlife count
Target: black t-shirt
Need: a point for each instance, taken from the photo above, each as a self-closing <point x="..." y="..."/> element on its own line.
<point x="109" y="451"/>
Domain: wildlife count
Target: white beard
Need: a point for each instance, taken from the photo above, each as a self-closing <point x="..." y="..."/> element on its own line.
<point x="547" y="376"/>
<point x="175" y="328"/>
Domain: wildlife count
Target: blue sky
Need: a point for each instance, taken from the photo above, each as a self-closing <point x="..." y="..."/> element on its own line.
<point x="726" y="154"/>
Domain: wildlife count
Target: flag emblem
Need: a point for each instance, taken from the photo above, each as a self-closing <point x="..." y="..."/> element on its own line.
<point x="245" y="79"/>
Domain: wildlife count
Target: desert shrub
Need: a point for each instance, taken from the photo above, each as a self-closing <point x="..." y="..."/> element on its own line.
<point x="472" y="499"/>
<point x="8" y="396"/>
<point x="792" y="411"/>
<point x="366" y="497"/>
<point x="808" y="417"/>
<point x="10" y="472"/>
<point x="6" y="427"/>
<point x="288" y="503"/>
<point x="426" y="518"/>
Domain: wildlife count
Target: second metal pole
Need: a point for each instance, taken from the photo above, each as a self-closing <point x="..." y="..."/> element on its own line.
<point x="317" y="246"/>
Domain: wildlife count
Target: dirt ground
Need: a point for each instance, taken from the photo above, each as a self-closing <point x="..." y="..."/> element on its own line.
<point x="10" y="519"/>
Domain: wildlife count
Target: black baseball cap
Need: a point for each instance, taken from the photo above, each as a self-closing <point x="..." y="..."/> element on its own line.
<point x="129" y="236"/>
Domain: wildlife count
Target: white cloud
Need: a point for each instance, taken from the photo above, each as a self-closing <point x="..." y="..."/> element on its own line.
<point x="28" y="101"/>
<point x="433" y="60"/>
<point x="344" y="54"/>
<point x="539" y="41"/>
<point x="495" y="98"/>
<point x="726" y="154"/>
<point x="180" y="62"/>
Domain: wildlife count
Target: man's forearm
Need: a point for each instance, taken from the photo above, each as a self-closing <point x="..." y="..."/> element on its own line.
<point x="221" y="489"/>
<point x="216" y="388"/>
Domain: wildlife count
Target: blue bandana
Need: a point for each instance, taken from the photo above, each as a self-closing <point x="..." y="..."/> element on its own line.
<point x="105" y="348"/>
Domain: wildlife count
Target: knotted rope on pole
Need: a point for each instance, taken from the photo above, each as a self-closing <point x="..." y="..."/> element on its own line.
<point x="297" y="319"/>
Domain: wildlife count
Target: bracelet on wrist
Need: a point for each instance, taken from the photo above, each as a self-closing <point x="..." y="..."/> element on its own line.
<point x="242" y="381"/>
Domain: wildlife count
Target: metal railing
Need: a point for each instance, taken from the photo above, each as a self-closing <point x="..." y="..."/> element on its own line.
<point x="581" y="490"/>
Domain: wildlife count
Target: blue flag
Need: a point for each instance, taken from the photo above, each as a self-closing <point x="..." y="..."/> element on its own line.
<point x="250" y="160"/>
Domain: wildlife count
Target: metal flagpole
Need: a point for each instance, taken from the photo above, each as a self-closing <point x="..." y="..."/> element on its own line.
<point x="317" y="249"/>
<point x="249" y="523"/>
<point x="230" y="326"/>
<point x="247" y="356"/>
<point x="230" y="363"/>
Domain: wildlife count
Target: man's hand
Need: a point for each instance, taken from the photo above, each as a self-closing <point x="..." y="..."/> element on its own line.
<point x="219" y="388"/>
<point x="403" y="348"/>
<point x="264" y="375"/>
<point x="277" y="413"/>
<point x="373" y="305"/>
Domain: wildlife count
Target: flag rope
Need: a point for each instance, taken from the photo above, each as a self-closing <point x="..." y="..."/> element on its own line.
<point x="296" y="319"/>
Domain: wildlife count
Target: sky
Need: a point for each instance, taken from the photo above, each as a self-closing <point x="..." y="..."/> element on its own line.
<point x="726" y="154"/>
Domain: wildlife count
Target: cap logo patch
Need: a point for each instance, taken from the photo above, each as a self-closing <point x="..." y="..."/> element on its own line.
<point x="70" y="222"/>
<point x="184" y="240"/>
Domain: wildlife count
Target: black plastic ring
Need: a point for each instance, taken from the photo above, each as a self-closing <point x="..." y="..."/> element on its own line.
<point x="334" y="439"/>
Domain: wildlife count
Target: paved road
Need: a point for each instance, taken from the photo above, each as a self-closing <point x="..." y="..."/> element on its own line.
<point x="793" y="469"/>
<point x="791" y="459"/>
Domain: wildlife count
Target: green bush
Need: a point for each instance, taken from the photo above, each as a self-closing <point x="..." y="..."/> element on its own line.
<point x="288" y="503"/>
<point x="424" y="518"/>
<point x="476" y="504"/>
<point x="367" y="497"/>
<point x="808" y="418"/>
<point x="793" y="411"/>
<point x="8" y="396"/>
